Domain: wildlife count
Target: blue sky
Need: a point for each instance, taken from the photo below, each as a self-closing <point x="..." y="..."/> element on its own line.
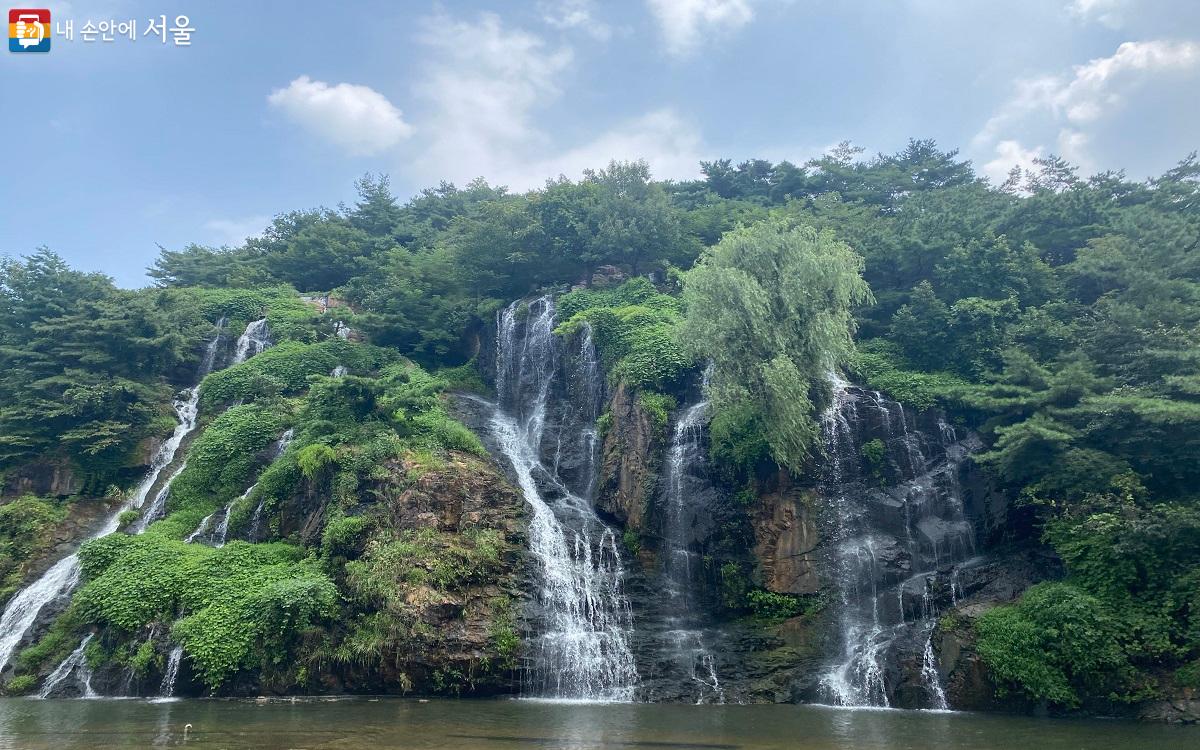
<point x="115" y="148"/>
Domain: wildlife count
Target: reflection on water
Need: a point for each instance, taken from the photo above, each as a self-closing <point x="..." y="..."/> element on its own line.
<point x="359" y="724"/>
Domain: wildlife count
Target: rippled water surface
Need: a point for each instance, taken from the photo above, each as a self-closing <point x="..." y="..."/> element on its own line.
<point x="359" y="724"/>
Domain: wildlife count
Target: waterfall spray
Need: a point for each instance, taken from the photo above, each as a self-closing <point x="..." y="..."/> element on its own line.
<point x="887" y="546"/>
<point x="581" y="650"/>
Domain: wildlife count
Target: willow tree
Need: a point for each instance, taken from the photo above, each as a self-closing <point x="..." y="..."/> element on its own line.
<point x="770" y="305"/>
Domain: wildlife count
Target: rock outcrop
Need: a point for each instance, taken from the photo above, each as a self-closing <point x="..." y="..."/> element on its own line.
<point x="46" y="478"/>
<point x="631" y="456"/>
<point x="786" y="538"/>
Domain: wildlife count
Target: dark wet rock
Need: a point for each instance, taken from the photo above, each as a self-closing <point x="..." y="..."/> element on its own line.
<point x="1176" y="710"/>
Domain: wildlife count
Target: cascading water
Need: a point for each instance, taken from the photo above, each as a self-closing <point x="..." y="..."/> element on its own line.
<point x="75" y="664"/>
<point x="887" y="545"/>
<point x="60" y="580"/>
<point x="684" y="466"/>
<point x="167" y="688"/>
<point x="256" y="520"/>
<point x="221" y="533"/>
<point x="254" y="340"/>
<point x="581" y="647"/>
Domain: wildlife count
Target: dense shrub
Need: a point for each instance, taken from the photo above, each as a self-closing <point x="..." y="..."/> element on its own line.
<point x="878" y="365"/>
<point x="1056" y="644"/>
<point x="26" y="530"/>
<point x="286" y="369"/>
<point x="244" y="604"/>
<point x="633" y="327"/>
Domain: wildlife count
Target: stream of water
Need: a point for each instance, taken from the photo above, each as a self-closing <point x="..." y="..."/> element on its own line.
<point x="60" y="580"/>
<point x="580" y="649"/>
<point x="685" y="459"/>
<point x="895" y="526"/>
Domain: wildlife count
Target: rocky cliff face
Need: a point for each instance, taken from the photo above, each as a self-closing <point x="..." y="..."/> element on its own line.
<point x="466" y="626"/>
<point x="49" y="478"/>
<point x="786" y="537"/>
<point x="631" y="456"/>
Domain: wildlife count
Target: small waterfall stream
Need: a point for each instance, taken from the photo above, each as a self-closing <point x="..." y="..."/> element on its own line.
<point x="60" y="580"/>
<point x="891" y="541"/>
<point x="581" y="647"/>
<point x="254" y="340"/>
<point x="76" y="665"/>
<point x="167" y="688"/>
<point x="685" y="460"/>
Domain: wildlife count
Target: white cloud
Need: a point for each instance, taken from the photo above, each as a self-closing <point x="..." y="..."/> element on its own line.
<point x="1071" y="104"/>
<point x="685" y="23"/>
<point x="1107" y="12"/>
<point x="484" y="83"/>
<point x="1009" y="154"/>
<point x="672" y="147"/>
<point x="488" y="85"/>
<point x="1073" y="146"/>
<point x="356" y="118"/>
<point x="579" y="15"/>
<point x="234" y="232"/>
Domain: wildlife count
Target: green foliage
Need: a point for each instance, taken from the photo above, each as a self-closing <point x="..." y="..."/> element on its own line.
<point x="738" y="443"/>
<point x="244" y="605"/>
<point x="60" y="640"/>
<point x="285" y="369"/>
<point x="464" y="377"/>
<point x="604" y="423"/>
<point x="636" y="292"/>
<point x="503" y="637"/>
<point x="771" y="305"/>
<point x="769" y="605"/>
<point x="633" y="326"/>
<point x="874" y="456"/>
<point x="26" y="532"/>
<point x="632" y="542"/>
<point x="21" y="685"/>
<point x="143" y="658"/>
<point x="735" y="585"/>
<point x="878" y="365"/>
<point x="314" y="460"/>
<point x="344" y="535"/>
<point x="1056" y="644"/>
<point x="658" y="406"/>
<point x="422" y="558"/>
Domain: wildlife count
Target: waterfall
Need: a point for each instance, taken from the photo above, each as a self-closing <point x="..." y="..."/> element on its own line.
<point x="167" y="688"/>
<point x="339" y="372"/>
<point x="221" y="533"/>
<point x="581" y="649"/>
<point x="684" y="464"/>
<point x="591" y="396"/>
<point x="159" y="505"/>
<point x="933" y="680"/>
<point x="76" y="662"/>
<point x="255" y="339"/>
<point x="60" y="580"/>
<point x="888" y="545"/>
<point x="201" y="529"/>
